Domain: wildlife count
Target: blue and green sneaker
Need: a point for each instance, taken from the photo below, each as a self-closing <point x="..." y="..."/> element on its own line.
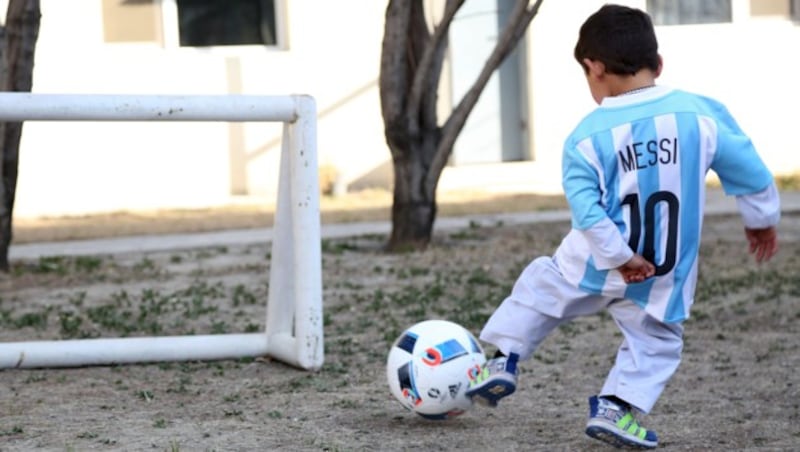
<point x="497" y="378"/>
<point x="615" y="424"/>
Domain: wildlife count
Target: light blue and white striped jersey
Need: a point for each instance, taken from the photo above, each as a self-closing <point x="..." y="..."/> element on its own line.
<point x="634" y="174"/>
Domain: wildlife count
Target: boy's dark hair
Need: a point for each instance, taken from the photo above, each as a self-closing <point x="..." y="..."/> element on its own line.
<point x="620" y="37"/>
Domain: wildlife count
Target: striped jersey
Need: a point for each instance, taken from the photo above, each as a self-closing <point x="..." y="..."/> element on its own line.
<point x="634" y="175"/>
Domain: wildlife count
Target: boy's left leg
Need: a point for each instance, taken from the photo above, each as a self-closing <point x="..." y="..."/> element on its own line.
<point x="647" y="358"/>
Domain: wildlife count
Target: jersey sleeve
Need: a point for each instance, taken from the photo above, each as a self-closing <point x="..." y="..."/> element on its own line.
<point x="581" y="183"/>
<point x="739" y="167"/>
<point x="582" y="186"/>
<point x="760" y="210"/>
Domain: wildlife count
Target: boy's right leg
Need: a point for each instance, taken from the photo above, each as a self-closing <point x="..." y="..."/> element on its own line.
<point x="495" y="380"/>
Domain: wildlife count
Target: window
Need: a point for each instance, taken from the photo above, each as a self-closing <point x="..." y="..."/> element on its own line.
<point x="685" y="12"/>
<point x="131" y="21"/>
<point x="203" y="23"/>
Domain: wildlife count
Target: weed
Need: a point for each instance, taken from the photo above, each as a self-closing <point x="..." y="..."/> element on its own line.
<point x="242" y="296"/>
<point x="337" y="247"/>
<point x="36" y="320"/>
<point x="87" y="264"/>
<point x="145" y="395"/>
<point x="233" y="413"/>
<point x="36" y="378"/>
<point x="219" y="327"/>
<point x="346" y="404"/>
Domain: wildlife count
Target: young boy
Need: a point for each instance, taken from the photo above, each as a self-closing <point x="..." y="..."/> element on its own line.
<point x="633" y="174"/>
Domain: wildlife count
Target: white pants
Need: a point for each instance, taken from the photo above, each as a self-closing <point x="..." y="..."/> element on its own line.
<point x="541" y="300"/>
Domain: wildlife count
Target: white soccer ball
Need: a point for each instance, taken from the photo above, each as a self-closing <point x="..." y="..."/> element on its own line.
<point x="429" y="368"/>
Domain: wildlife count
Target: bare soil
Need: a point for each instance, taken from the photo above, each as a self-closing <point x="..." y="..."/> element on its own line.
<point x="737" y="389"/>
<point x="365" y="205"/>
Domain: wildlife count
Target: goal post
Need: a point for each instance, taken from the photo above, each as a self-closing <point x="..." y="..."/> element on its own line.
<point x="293" y="330"/>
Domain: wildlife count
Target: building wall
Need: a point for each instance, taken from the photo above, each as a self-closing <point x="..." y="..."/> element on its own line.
<point x="332" y="52"/>
<point x="78" y="167"/>
<point x="747" y="64"/>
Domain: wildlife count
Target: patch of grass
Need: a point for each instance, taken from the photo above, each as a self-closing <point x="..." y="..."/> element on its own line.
<point x="13" y="431"/>
<point x="60" y="265"/>
<point x="243" y="296"/>
<point x="788" y="181"/>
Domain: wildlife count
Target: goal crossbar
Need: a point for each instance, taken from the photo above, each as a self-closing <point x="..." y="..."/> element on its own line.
<point x="293" y="330"/>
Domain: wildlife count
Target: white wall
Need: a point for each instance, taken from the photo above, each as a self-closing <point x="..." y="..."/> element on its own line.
<point x="77" y="168"/>
<point x="749" y="65"/>
<point x="334" y="55"/>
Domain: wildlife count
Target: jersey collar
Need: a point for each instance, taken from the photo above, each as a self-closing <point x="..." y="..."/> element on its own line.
<point x="635" y="98"/>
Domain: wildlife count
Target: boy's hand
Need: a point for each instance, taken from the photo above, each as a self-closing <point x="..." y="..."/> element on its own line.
<point x="763" y="242"/>
<point x="637" y="269"/>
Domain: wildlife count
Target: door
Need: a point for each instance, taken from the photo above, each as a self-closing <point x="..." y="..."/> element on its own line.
<point x="497" y="128"/>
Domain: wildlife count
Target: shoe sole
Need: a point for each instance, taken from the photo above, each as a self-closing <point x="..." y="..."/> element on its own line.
<point x="491" y="394"/>
<point x="610" y="437"/>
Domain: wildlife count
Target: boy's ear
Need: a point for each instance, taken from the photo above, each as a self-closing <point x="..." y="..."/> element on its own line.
<point x="595" y="68"/>
<point x="660" y="66"/>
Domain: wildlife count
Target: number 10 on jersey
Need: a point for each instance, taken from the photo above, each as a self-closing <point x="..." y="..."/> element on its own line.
<point x="650" y="216"/>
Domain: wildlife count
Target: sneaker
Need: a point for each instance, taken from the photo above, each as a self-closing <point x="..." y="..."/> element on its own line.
<point x="614" y="424"/>
<point x="496" y="379"/>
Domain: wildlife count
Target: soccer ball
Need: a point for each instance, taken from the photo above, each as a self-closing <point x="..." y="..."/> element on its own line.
<point x="429" y="368"/>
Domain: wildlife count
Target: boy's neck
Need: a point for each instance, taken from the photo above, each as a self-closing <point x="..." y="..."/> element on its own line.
<point x="620" y="85"/>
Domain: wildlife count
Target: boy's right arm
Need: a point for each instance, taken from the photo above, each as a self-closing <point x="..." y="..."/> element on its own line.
<point x="744" y="175"/>
<point x="760" y="213"/>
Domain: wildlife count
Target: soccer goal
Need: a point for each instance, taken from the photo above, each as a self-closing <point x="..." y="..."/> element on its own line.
<point x="293" y="330"/>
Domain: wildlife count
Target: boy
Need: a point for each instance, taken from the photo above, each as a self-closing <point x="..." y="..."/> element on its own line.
<point x="633" y="174"/>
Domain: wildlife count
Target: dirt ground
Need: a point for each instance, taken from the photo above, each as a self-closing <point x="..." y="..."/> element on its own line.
<point x="737" y="389"/>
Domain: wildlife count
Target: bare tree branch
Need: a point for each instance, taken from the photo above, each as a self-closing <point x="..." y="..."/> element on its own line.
<point x="425" y="70"/>
<point x="393" y="77"/>
<point x="521" y="17"/>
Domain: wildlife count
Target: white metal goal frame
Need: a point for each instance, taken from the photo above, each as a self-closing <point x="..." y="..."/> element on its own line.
<point x="293" y="330"/>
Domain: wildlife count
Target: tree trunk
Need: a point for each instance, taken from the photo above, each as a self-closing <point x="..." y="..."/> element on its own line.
<point x="413" y="205"/>
<point x="16" y="57"/>
<point x="411" y="63"/>
<point x="412" y="56"/>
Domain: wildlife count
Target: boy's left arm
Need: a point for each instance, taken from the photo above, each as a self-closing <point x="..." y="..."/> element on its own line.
<point x="637" y="269"/>
<point x="581" y="183"/>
